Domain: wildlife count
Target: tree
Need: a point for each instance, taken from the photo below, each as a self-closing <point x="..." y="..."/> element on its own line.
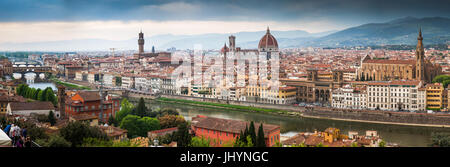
<point x="168" y="111"/>
<point x="441" y="78"/>
<point x="440" y="139"/>
<point x="51" y="96"/>
<point x="260" y="142"/>
<point x="36" y="132"/>
<point x="150" y="124"/>
<point x="132" y="124"/>
<point x="200" y="142"/>
<point x="56" y="141"/>
<point x="36" y="94"/>
<point x="137" y="126"/>
<point x="39" y="96"/>
<point x="183" y="137"/>
<point x="44" y="94"/>
<point x="112" y="121"/>
<point x="141" y="109"/>
<point x="169" y="121"/>
<point x="51" y="118"/>
<point x="75" y="132"/>
<point x="252" y="132"/>
<point x="125" y="108"/>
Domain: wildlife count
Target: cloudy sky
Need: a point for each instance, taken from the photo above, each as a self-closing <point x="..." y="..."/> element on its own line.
<point x="52" y="20"/>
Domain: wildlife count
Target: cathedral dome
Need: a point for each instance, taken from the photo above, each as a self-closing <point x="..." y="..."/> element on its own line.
<point x="268" y="42"/>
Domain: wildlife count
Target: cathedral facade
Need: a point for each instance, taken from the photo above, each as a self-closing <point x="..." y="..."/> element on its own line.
<point x="384" y="70"/>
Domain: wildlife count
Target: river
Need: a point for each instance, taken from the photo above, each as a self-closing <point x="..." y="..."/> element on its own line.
<point x="403" y="135"/>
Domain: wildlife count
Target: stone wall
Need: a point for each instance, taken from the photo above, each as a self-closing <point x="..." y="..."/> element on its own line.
<point x="381" y="116"/>
<point x="364" y="115"/>
<point x="242" y="103"/>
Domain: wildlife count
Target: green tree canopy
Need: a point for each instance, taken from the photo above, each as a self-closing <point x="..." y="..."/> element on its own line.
<point x="444" y="79"/>
<point x="54" y="141"/>
<point x="183" y="137"/>
<point x="260" y="142"/>
<point x="137" y="126"/>
<point x="125" y="109"/>
<point x="440" y="139"/>
<point x="252" y="131"/>
<point x="75" y="132"/>
<point x="200" y="142"/>
<point x="141" y="109"/>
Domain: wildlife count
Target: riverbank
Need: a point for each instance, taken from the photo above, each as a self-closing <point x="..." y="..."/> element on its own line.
<point x="377" y="122"/>
<point x="365" y="116"/>
<point x="224" y="106"/>
<point x="69" y="85"/>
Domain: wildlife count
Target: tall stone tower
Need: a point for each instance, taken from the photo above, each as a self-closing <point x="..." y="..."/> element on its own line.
<point x="141" y="42"/>
<point x="232" y="44"/>
<point x="62" y="101"/>
<point x="420" y="58"/>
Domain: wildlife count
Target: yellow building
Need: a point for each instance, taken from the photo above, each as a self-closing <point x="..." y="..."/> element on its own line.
<point x="434" y="96"/>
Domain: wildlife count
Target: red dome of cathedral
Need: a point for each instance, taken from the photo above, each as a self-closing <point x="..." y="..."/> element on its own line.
<point x="268" y="42"/>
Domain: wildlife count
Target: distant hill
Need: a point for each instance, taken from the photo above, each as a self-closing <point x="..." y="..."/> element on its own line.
<point x="246" y="40"/>
<point x="404" y="31"/>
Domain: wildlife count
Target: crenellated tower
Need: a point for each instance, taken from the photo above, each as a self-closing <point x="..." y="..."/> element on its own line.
<point x="141" y="42"/>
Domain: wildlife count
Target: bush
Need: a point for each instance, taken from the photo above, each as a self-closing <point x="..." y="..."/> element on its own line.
<point x="138" y="126"/>
<point x="76" y="132"/>
<point x="200" y="142"/>
<point x="169" y="121"/>
<point x="54" y="141"/>
<point x="440" y="139"/>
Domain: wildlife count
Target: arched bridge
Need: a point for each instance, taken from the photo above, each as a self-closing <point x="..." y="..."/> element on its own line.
<point x="23" y="70"/>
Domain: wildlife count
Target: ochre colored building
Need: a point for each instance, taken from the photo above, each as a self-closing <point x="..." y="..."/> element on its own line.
<point x="223" y="131"/>
<point x="434" y="95"/>
<point x="384" y="70"/>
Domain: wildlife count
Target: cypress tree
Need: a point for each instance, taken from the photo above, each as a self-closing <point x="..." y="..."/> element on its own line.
<point x="252" y="132"/>
<point x="183" y="137"/>
<point x="244" y="136"/>
<point x="51" y="118"/>
<point x="260" y="142"/>
<point x="141" y="110"/>
<point x="36" y="94"/>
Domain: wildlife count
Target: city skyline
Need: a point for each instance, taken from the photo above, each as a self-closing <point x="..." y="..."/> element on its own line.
<point x="55" y="20"/>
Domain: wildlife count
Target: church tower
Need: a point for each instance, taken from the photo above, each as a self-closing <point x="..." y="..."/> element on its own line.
<point x="420" y="58"/>
<point x="232" y="43"/>
<point x="141" y="42"/>
<point x="62" y="101"/>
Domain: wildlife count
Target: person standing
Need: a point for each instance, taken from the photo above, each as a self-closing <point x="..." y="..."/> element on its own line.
<point x="24" y="132"/>
<point x="27" y="142"/>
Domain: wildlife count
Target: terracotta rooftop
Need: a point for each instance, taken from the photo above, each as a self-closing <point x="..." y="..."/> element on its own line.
<point x="228" y="125"/>
<point x="82" y="117"/>
<point x="297" y="139"/>
<point x="384" y="61"/>
<point x="36" y="105"/>
<point x="89" y="95"/>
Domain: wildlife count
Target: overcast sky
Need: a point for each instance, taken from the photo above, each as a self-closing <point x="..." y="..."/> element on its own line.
<point x="50" y="20"/>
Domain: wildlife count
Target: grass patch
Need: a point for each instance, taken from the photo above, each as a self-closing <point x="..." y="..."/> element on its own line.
<point x="70" y="85"/>
<point x="231" y="106"/>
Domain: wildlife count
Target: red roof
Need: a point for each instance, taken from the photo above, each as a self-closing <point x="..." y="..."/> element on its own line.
<point x="268" y="41"/>
<point x="383" y="61"/>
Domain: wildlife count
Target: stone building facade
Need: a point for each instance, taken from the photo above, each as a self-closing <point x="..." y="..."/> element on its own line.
<point x="384" y="70"/>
